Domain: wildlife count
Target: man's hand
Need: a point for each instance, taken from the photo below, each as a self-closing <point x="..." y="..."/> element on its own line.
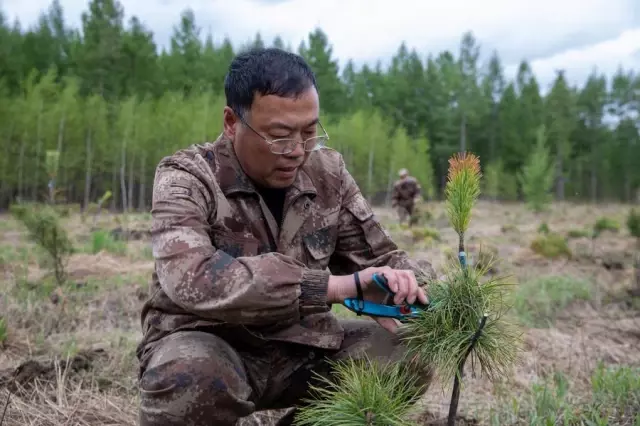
<point x="402" y="282"/>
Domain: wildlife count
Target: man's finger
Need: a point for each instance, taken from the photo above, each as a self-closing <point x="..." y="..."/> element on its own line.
<point x="413" y="288"/>
<point x="392" y="281"/>
<point x="422" y="296"/>
<point x="390" y="324"/>
<point x="403" y="289"/>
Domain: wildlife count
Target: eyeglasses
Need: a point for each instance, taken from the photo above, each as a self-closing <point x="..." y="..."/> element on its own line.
<point x="287" y="145"/>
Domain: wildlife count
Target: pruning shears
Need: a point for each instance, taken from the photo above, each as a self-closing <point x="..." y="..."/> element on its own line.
<point x="400" y="312"/>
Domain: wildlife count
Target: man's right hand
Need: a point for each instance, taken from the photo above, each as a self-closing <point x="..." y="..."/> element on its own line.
<point x="402" y="282"/>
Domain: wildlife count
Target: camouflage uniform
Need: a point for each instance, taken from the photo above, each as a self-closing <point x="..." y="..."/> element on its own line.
<point x="238" y="314"/>
<point x="405" y="190"/>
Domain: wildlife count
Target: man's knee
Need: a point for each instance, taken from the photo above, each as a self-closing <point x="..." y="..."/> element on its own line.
<point x="194" y="378"/>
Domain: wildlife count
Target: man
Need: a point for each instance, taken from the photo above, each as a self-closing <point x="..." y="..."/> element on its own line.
<point x="243" y="232"/>
<point x="405" y="192"/>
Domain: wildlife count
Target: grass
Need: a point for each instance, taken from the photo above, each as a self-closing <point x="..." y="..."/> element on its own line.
<point x="614" y="399"/>
<point x="539" y="301"/>
<point x="95" y="315"/>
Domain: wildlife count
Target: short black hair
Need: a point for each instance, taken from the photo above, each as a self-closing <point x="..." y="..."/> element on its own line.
<point x="266" y="71"/>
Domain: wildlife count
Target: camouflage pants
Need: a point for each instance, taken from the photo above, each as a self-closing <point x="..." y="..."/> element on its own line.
<point x="404" y="212"/>
<point x="194" y="378"/>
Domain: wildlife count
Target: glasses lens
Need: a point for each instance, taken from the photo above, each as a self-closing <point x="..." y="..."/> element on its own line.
<point x="285" y="146"/>
<point x="314" y="144"/>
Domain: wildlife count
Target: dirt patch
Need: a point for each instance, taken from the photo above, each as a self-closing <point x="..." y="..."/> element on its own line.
<point x="31" y="370"/>
<point x="105" y="307"/>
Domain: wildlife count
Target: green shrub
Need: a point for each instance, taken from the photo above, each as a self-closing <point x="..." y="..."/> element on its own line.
<point x="633" y="223"/>
<point x="102" y="240"/>
<point x="43" y="225"/>
<point x="551" y="246"/>
<point x="578" y="233"/>
<point x="605" y="224"/>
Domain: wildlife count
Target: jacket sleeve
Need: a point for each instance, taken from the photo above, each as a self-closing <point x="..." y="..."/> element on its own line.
<point x="362" y="240"/>
<point x="209" y="282"/>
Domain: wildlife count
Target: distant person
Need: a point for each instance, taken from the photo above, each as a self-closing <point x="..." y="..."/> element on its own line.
<point x="406" y="191"/>
<point x="254" y="237"/>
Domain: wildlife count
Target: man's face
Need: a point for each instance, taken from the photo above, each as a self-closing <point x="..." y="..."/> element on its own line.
<point x="273" y="117"/>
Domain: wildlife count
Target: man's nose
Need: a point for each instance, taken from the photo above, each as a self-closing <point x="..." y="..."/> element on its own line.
<point x="298" y="150"/>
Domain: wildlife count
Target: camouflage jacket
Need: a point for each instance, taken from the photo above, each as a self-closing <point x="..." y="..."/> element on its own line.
<point x="222" y="262"/>
<point x="405" y="190"/>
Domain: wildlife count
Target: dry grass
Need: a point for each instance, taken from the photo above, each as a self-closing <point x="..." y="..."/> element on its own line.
<point x="96" y="318"/>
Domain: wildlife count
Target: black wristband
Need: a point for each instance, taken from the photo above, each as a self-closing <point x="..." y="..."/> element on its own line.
<point x="359" y="294"/>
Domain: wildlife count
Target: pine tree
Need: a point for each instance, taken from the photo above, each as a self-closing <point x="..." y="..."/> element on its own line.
<point x="536" y="176"/>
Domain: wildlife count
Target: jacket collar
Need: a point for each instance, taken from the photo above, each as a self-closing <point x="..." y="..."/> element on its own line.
<point x="232" y="177"/>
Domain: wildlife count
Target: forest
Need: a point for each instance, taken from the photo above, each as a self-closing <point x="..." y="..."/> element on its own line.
<point x="107" y="104"/>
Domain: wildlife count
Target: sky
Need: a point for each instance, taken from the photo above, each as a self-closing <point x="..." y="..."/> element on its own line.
<point x="577" y="36"/>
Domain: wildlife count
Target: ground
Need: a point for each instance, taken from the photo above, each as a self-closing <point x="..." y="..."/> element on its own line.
<point x="579" y="310"/>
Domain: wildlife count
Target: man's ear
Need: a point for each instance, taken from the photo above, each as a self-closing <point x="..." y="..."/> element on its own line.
<point x="229" y="122"/>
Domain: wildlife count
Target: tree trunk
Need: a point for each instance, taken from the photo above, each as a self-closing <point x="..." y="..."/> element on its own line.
<point x="87" y="170"/>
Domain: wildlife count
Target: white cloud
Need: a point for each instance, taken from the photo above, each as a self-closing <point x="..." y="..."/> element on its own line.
<point x="605" y="57"/>
<point x="569" y="34"/>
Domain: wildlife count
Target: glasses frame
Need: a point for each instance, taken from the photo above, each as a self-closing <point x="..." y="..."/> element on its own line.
<point x="271" y="142"/>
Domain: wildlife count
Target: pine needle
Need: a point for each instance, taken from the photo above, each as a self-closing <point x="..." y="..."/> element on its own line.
<point x="442" y="335"/>
<point x="362" y="392"/>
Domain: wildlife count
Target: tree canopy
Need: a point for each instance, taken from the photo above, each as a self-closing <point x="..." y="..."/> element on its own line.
<point x="112" y="103"/>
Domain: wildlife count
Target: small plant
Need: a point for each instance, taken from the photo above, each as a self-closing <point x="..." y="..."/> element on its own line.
<point x="4" y="332"/>
<point x="536" y="176"/>
<point x="424" y="234"/>
<point x="508" y="228"/>
<point x="43" y="225"/>
<point x="551" y="246"/>
<point x="605" y="224"/>
<point x="102" y="240"/>
<point x="633" y="223"/>
<point x="493" y="177"/>
<point x="578" y="233"/>
<point x="543" y="228"/>
<point x="361" y="392"/>
<point x="615" y="399"/>
<point x="465" y="317"/>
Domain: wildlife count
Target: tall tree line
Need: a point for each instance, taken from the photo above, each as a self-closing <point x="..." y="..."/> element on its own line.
<point x="112" y="104"/>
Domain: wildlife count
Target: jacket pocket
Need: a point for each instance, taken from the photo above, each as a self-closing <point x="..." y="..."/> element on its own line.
<point x="376" y="237"/>
<point x="319" y="246"/>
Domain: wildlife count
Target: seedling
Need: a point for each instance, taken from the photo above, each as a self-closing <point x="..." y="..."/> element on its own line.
<point x="466" y="317"/>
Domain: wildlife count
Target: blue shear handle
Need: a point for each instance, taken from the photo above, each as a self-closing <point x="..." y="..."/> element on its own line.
<point x="365" y="307"/>
<point x="381" y="282"/>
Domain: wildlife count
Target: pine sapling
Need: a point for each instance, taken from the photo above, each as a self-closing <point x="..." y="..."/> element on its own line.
<point x="465" y="317"/>
<point x="362" y="392"/>
<point x="536" y="176"/>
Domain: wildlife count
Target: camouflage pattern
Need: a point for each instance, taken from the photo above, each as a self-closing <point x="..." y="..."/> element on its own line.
<point x="223" y="264"/>
<point x="405" y="190"/>
<point x="196" y="378"/>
